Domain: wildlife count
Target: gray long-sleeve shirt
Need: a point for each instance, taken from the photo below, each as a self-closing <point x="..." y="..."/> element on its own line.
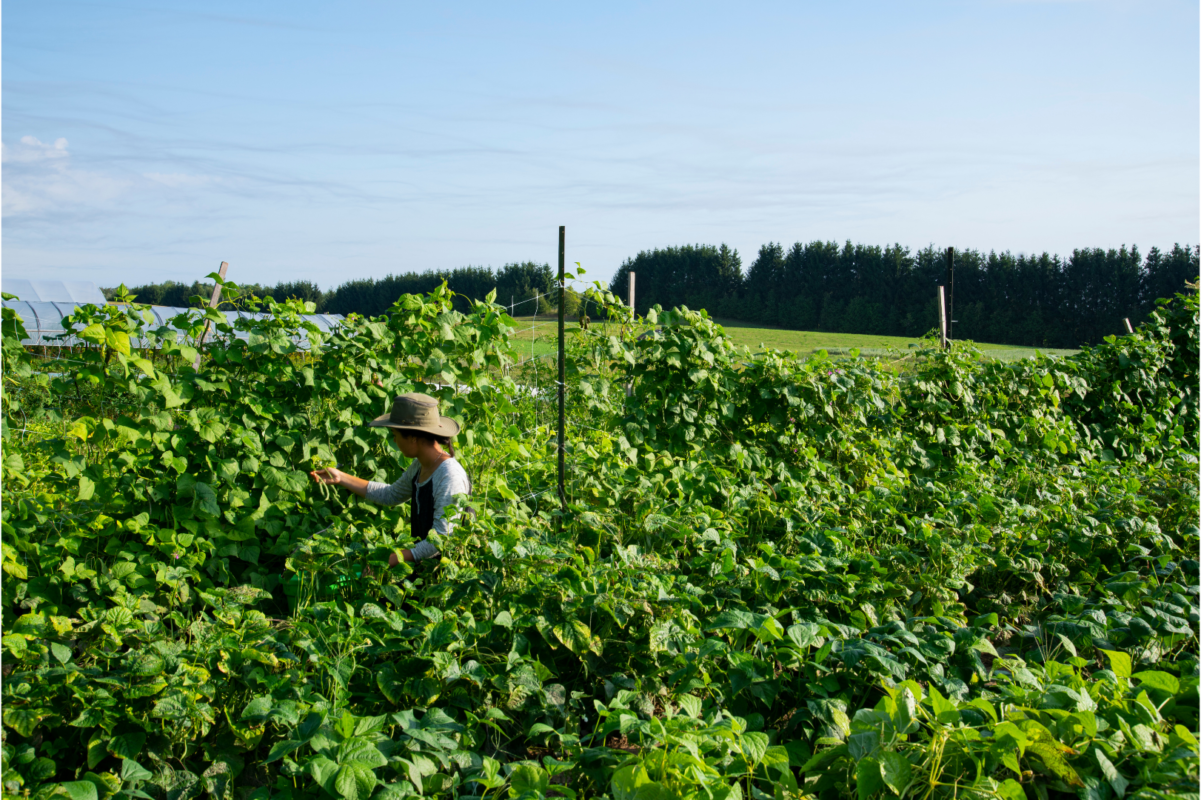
<point x="450" y="479"/>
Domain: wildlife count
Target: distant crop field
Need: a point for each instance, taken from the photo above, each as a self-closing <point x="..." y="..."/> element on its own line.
<point x="537" y="336"/>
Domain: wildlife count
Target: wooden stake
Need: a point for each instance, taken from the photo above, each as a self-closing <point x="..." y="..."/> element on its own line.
<point x="1129" y="329"/>
<point x="212" y="304"/>
<point x="942" y="316"/>
<point x="631" y="291"/>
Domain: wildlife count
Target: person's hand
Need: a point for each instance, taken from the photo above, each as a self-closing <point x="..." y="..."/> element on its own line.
<point x="331" y="476"/>
<point x="392" y="559"/>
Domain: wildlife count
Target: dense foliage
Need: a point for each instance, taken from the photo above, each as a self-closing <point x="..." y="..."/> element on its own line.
<point x="776" y="577"/>
<point x="1036" y="300"/>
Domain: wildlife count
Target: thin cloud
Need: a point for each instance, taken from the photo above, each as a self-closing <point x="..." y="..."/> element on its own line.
<point x="30" y="149"/>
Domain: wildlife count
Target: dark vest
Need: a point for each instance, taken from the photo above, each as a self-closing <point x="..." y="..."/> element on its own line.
<point x="421" y="509"/>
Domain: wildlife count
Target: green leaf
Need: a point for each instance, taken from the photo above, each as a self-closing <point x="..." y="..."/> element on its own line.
<point x="823" y="758"/>
<point x="944" y="710"/>
<point x="132" y="771"/>
<point x="96" y="750"/>
<point x="868" y="779"/>
<point x="206" y="499"/>
<point x="211" y="430"/>
<point x="985" y="706"/>
<point x="1010" y="735"/>
<point x="731" y="619"/>
<point x="281" y="749"/>
<point x="80" y="790"/>
<point x="295" y="481"/>
<point x="127" y="745"/>
<point x="87" y="488"/>
<point x="1158" y="680"/>
<point x="228" y="469"/>
<point x="365" y="726"/>
<point x="528" y="778"/>
<point x="905" y="719"/>
<point x="61" y="652"/>
<point x="323" y="771"/>
<point x="625" y="782"/>
<point x="1119" y="662"/>
<point x="258" y="709"/>
<point x="804" y="634"/>
<point x="862" y="744"/>
<point x="1110" y="772"/>
<point x="355" y="781"/>
<point x="691" y="705"/>
<point x="754" y="746"/>
<point x="1011" y="790"/>
<point x="361" y="750"/>
<point x="146" y="664"/>
<point x="42" y="768"/>
<point x="895" y="770"/>
<point x="775" y="757"/>
<point x="309" y="726"/>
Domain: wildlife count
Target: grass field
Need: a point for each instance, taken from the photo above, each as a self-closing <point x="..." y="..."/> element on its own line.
<point x="537" y="335"/>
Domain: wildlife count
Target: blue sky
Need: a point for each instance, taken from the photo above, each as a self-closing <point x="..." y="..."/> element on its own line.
<point x="328" y="141"/>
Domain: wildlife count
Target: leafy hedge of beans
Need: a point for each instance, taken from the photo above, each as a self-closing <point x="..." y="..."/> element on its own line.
<point x="777" y="577"/>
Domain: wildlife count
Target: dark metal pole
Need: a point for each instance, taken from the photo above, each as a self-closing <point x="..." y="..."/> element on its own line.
<point x="950" y="293"/>
<point x="562" y="376"/>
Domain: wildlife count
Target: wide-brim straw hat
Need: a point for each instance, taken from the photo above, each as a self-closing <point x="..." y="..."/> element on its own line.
<point x="416" y="412"/>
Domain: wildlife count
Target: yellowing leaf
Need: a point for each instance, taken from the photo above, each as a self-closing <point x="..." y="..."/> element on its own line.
<point x="93" y="333"/>
<point x="1119" y="663"/>
<point x="1054" y="761"/>
<point x="577" y="637"/>
<point x="145" y="366"/>
<point x="118" y="340"/>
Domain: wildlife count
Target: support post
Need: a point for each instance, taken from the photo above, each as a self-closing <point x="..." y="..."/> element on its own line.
<point x="562" y="375"/>
<point x="950" y="293"/>
<point x="212" y="304"/>
<point x="633" y="315"/>
<point x="1129" y="328"/>
<point x="942" y="316"/>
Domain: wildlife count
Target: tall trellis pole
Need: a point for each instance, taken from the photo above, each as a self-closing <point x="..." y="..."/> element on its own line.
<point x="950" y="293"/>
<point x="562" y="374"/>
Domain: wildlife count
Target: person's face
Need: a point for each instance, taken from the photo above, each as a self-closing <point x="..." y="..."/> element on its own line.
<point x="406" y="444"/>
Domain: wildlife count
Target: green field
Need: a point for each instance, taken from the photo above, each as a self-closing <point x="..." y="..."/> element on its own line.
<point x="537" y="336"/>
<point x="740" y="577"/>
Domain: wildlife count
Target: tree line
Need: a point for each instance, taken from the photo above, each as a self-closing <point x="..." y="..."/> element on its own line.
<point x="1037" y="300"/>
<point x="522" y="285"/>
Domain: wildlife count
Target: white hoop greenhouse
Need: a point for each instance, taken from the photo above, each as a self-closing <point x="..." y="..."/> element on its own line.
<point x="44" y="321"/>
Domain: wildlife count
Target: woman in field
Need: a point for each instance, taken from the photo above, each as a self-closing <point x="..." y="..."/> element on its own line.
<point x="430" y="483"/>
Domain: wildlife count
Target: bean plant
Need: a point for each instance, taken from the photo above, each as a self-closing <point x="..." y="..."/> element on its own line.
<point x="775" y="576"/>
